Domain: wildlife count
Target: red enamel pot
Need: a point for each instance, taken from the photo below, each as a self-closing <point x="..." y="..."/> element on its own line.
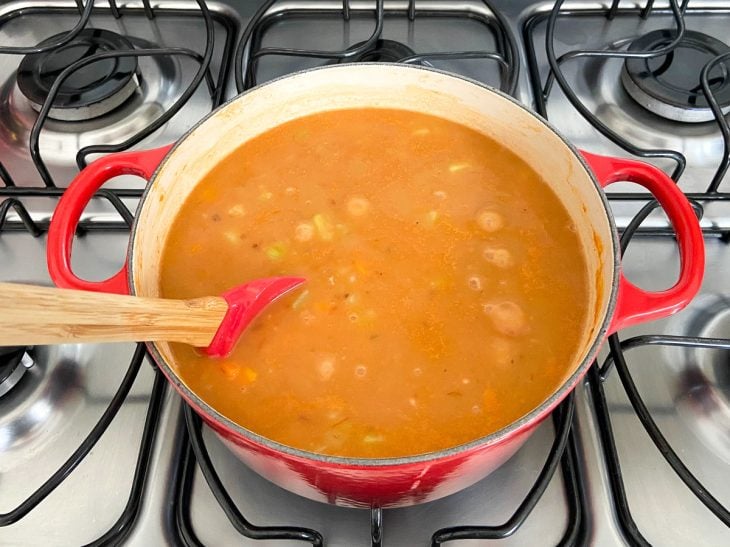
<point x="576" y="178"/>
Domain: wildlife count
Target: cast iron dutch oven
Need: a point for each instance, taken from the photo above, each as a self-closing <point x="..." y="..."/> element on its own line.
<point x="576" y="177"/>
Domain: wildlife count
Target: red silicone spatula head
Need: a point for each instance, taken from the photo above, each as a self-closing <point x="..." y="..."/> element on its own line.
<point x="245" y="302"/>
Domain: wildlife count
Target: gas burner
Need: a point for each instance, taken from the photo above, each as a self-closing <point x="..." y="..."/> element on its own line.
<point x="383" y="51"/>
<point x="14" y="361"/>
<point x="91" y="91"/>
<point x="669" y="85"/>
<point x="699" y="379"/>
<point x="51" y="391"/>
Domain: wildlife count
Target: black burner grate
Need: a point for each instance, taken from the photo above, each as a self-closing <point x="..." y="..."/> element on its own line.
<point x="563" y="418"/>
<point x="126" y="520"/>
<point x="13" y="197"/>
<point x="191" y="450"/>
<point x="597" y="375"/>
<point x="542" y="92"/>
<point x="250" y="50"/>
<point x="97" y="89"/>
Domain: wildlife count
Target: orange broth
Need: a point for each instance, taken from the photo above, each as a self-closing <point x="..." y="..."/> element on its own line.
<point x="446" y="284"/>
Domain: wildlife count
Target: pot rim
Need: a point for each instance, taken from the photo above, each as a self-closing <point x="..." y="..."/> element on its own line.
<point x="533" y="417"/>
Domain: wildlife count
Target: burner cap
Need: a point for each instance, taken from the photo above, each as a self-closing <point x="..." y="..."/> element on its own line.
<point x="89" y="92"/>
<point x="670" y="85"/>
<point x="13" y="364"/>
<point x="384" y="51"/>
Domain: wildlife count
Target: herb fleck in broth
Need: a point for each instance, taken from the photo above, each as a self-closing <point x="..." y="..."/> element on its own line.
<point x="445" y="283"/>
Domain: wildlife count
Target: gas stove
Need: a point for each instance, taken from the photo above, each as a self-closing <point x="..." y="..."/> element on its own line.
<point x="94" y="449"/>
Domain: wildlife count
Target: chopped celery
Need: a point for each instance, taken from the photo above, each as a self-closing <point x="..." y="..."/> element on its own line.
<point x="371" y="438"/>
<point x="432" y="217"/>
<point x="276" y="251"/>
<point x="456" y="167"/>
<point x="300" y="299"/>
<point x="325" y="229"/>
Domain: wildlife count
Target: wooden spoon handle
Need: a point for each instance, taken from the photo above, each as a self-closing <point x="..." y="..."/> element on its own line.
<point x="31" y="315"/>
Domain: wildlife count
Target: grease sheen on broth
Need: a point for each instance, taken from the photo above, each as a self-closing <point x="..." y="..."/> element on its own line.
<point x="446" y="284"/>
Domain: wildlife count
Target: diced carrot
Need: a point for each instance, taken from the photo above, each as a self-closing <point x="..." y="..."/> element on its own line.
<point x="230" y="370"/>
<point x="249" y="374"/>
<point x="361" y="268"/>
<point x="491" y="401"/>
<point x="208" y="193"/>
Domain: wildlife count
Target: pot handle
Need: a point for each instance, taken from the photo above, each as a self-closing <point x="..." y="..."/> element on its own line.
<point x="72" y="203"/>
<point x="636" y="305"/>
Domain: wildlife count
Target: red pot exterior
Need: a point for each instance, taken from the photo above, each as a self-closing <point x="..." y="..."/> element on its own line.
<point x="367" y="486"/>
<point x="405" y="481"/>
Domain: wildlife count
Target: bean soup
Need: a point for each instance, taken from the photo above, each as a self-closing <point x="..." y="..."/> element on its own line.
<point x="446" y="283"/>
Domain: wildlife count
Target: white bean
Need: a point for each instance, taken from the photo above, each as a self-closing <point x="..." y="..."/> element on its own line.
<point x="237" y="211"/>
<point x="499" y="257"/>
<point x="501" y="351"/>
<point x="233" y="237"/>
<point x="358" y="206"/>
<point x="373" y="438"/>
<point x="304" y="231"/>
<point x="490" y="221"/>
<point x="475" y="283"/>
<point x="507" y="317"/>
<point x="326" y="368"/>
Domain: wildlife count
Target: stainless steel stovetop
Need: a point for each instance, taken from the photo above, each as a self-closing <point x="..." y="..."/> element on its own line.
<point x="140" y="484"/>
